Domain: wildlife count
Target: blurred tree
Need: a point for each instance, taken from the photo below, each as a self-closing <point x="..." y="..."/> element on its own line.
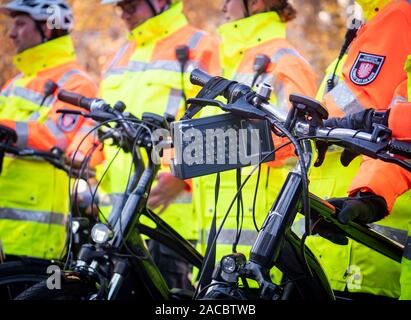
<point x="318" y="31"/>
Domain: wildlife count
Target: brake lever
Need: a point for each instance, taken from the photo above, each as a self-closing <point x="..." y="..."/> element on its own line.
<point x="243" y="108"/>
<point x="202" y="102"/>
<point x="69" y="111"/>
<point x="99" y="116"/>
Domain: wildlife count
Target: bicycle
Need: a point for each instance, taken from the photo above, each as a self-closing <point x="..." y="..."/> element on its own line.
<point x="116" y="264"/>
<point x="276" y="243"/>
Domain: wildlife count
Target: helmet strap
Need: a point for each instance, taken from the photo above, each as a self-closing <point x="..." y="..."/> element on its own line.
<point x="153" y="9"/>
<point x="246" y="9"/>
<point x="39" y="28"/>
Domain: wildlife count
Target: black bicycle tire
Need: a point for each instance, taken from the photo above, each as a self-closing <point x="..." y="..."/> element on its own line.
<point x="71" y="290"/>
<point x="14" y="274"/>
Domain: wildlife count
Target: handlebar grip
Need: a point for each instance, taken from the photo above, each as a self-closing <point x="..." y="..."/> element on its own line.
<point x="75" y="99"/>
<point x="401" y="148"/>
<point x="199" y="77"/>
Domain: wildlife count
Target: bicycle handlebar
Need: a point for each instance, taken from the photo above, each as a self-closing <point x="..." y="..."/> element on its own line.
<point x="401" y="148"/>
<point x="82" y="102"/>
<point x="55" y="157"/>
<point x="200" y="78"/>
<point x="362" y="142"/>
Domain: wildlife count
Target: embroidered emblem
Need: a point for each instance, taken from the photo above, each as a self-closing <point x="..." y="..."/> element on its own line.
<point x="366" y="68"/>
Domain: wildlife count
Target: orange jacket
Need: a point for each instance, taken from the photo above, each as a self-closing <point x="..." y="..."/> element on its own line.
<point x="288" y="73"/>
<point x="386" y="179"/>
<point x="375" y="63"/>
<point x="44" y="129"/>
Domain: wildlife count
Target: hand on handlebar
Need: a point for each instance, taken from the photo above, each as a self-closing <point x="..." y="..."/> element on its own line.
<point x="362" y="120"/>
<point x="363" y="208"/>
<point x="7" y="135"/>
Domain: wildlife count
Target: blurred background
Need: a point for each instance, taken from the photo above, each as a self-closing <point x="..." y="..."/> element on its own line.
<point x="318" y="31"/>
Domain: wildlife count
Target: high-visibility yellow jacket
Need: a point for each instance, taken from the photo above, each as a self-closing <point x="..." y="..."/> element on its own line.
<point x="287" y="72"/>
<point x="33" y="194"/>
<point x="146" y="75"/>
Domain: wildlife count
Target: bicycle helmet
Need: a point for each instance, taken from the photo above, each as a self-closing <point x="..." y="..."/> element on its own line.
<point x="42" y="10"/>
<point x="149" y="3"/>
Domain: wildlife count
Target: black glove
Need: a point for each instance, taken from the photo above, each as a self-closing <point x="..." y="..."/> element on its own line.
<point x="358" y="121"/>
<point x="362" y="120"/>
<point x="363" y="208"/>
<point x="7" y="135"/>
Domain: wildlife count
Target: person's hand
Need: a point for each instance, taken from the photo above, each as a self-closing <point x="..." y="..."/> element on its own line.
<point x="165" y="192"/>
<point x="77" y="163"/>
<point x="7" y="135"/>
<point x="362" y="208"/>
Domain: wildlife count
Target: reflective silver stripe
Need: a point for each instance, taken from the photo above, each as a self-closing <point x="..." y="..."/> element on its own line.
<point x="22" y="130"/>
<point x="137" y="66"/>
<point x="397" y="99"/>
<point x="346" y="99"/>
<point x="195" y="39"/>
<point x="165" y="65"/>
<point x="32" y="216"/>
<point x="69" y="74"/>
<point x="7" y="90"/>
<point x="286" y="52"/>
<point x="175" y="99"/>
<point x="29" y="95"/>
<point x="407" y="250"/>
<point x="61" y="140"/>
<point x="227" y="237"/>
<point x="184" y="198"/>
<point x="117" y="57"/>
<point x="116" y="71"/>
<point x="36" y="97"/>
<point x="34" y="116"/>
<point x="156" y="65"/>
<point x="397" y="235"/>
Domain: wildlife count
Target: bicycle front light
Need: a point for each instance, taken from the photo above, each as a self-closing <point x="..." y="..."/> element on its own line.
<point x="101" y="233"/>
<point x="233" y="263"/>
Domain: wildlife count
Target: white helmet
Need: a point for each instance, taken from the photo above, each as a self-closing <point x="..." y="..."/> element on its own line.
<point x="42" y="10"/>
<point x="149" y="3"/>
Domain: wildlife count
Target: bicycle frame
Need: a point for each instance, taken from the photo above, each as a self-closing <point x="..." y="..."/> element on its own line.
<point x="128" y="232"/>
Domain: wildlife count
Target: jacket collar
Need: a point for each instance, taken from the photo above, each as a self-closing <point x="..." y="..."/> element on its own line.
<point x="161" y="26"/>
<point x="44" y="56"/>
<point x="250" y="32"/>
<point x="240" y="35"/>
